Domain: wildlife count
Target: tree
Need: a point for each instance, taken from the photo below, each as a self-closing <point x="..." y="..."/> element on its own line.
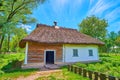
<point x="117" y="41"/>
<point x="112" y="36"/>
<point x="14" y="12"/>
<point x="94" y="27"/>
<point x="14" y="44"/>
<point x="107" y="46"/>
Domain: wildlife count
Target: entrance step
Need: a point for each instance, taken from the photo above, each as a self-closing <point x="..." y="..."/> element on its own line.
<point x="52" y="66"/>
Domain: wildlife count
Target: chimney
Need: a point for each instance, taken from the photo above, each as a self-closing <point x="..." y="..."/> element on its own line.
<point x="55" y="25"/>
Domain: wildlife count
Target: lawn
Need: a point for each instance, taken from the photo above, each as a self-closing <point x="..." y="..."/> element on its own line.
<point x="9" y="69"/>
<point x="109" y="65"/>
<point x="10" y="66"/>
<point x="17" y="73"/>
<point x="64" y="75"/>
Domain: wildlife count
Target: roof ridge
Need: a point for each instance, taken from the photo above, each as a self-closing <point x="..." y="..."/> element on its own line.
<point x="40" y="25"/>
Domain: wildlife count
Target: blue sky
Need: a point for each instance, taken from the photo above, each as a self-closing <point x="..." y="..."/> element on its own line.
<point x="69" y="13"/>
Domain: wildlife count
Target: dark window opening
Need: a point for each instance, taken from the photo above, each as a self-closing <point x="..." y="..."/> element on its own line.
<point x="90" y="52"/>
<point x="75" y="52"/>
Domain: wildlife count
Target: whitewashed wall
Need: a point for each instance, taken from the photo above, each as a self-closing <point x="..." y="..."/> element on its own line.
<point x="83" y="53"/>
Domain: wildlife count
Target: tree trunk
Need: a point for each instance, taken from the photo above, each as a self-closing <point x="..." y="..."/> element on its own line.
<point x="8" y="42"/>
<point x="1" y="42"/>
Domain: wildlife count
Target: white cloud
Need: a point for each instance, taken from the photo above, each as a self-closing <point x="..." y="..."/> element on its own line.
<point x="58" y="5"/>
<point x="91" y="2"/>
<point x="100" y="7"/>
<point x="114" y="14"/>
<point x="27" y="27"/>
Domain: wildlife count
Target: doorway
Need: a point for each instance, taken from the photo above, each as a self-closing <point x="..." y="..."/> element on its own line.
<point x="49" y="57"/>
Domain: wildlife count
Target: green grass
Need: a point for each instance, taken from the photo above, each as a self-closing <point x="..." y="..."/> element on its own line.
<point x="17" y="73"/>
<point x="10" y="66"/>
<point x="110" y="65"/>
<point x="64" y="75"/>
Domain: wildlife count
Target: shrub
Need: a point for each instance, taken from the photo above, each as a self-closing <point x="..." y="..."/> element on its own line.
<point x="81" y="65"/>
<point x="1" y="72"/>
<point x="12" y="66"/>
<point x="8" y="61"/>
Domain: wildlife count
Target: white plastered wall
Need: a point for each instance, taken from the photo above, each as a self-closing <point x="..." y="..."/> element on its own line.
<point x="83" y="53"/>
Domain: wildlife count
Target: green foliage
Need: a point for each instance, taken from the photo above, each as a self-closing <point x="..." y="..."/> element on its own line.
<point x="117" y="41"/>
<point x="112" y="43"/>
<point x="80" y="65"/>
<point x="94" y="26"/>
<point x="7" y="60"/>
<point x="110" y="65"/>
<point x="10" y="66"/>
<point x="12" y="14"/>
<point x="14" y="44"/>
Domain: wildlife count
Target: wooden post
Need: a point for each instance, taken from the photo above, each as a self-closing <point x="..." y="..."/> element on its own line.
<point x="96" y="75"/>
<point x="75" y="69"/>
<point x="102" y="77"/>
<point x="71" y="68"/>
<point x="68" y="67"/>
<point x="84" y="73"/>
<point x="80" y="71"/>
<point x="90" y="74"/>
<point x="111" y="78"/>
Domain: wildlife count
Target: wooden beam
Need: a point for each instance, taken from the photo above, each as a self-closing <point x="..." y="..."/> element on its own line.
<point x="26" y="53"/>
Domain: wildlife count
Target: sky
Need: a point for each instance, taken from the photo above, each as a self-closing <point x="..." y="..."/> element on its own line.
<point x="70" y="13"/>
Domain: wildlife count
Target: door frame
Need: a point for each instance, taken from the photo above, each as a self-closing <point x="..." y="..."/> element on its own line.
<point x="45" y="55"/>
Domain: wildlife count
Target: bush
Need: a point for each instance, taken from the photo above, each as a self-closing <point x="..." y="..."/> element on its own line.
<point x="1" y="72"/>
<point x="12" y="66"/>
<point x="81" y="65"/>
<point x="8" y="61"/>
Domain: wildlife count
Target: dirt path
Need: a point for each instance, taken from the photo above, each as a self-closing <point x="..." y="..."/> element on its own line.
<point x="39" y="74"/>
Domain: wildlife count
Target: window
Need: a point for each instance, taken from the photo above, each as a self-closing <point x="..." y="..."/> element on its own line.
<point x="90" y="52"/>
<point x="75" y="52"/>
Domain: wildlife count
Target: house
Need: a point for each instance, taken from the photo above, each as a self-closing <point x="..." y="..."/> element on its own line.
<point x="54" y="45"/>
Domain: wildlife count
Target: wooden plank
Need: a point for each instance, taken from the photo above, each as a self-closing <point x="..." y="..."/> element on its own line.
<point x="69" y="67"/>
<point x="96" y="75"/>
<point x="75" y="69"/>
<point x="111" y="78"/>
<point x="102" y="76"/>
<point x="84" y="73"/>
<point x="90" y="74"/>
<point x="80" y="71"/>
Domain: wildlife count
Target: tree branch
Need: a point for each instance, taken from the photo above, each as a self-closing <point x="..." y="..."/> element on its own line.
<point x="13" y="11"/>
<point x="12" y="5"/>
<point x="18" y="8"/>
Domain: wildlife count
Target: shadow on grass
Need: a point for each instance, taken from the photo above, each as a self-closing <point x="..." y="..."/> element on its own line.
<point x="17" y="73"/>
<point x="21" y="70"/>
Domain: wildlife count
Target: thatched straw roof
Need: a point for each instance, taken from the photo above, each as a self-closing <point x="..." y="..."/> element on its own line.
<point x="58" y="35"/>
